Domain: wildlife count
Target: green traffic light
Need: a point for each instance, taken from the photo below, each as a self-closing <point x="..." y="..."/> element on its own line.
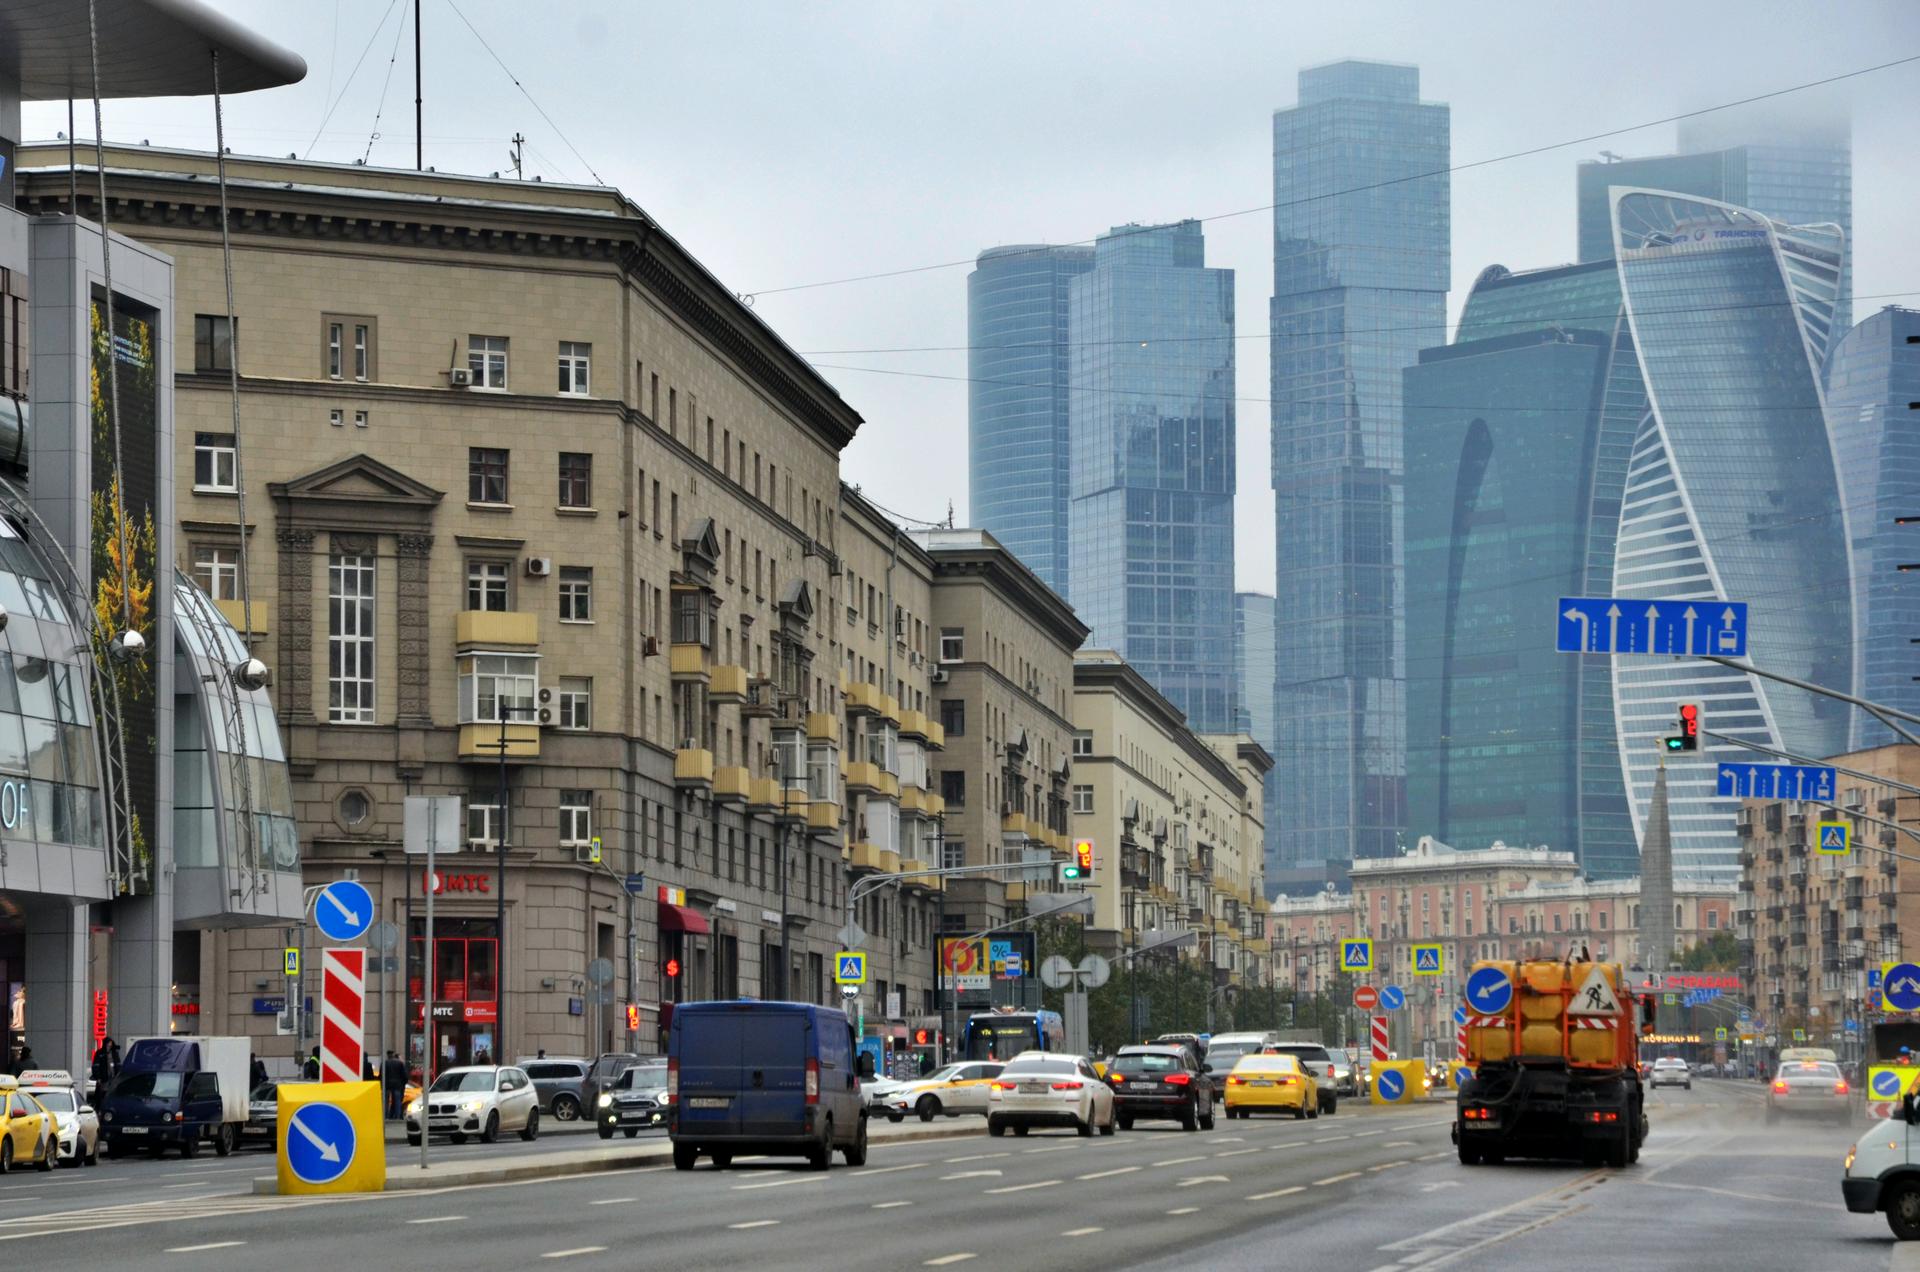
<point x="1676" y="744"/>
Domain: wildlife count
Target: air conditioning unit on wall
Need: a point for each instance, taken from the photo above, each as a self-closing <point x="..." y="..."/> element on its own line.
<point x="539" y="567"/>
<point x="459" y="378"/>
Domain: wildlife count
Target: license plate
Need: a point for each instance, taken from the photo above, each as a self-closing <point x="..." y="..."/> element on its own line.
<point x="708" y="1102"/>
<point x="1032" y="1088"/>
<point x="1259" y="1082"/>
<point x="133" y="1130"/>
<point x="1143" y="1086"/>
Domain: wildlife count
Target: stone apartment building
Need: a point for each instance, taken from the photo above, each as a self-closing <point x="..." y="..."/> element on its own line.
<point x="1812" y="925"/>
<point x="1176" y="823"/>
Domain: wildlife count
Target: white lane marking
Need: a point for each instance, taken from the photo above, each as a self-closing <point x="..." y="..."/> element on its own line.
<point x="612" y="1201"/>
<point x="782" y="1183"/>
<point x="1364" y="1134"/>
<point x="1203" y="1179"/>
<point x="202" y="1174"/>
<point x="1335" y="1179"/>
<point x="1743" y="1196"/>
<point x="1014" y="1188"/>
<point x="1434" y="1157"/>
<point x="211" y="1245"/>
<point x="568" y="1254"/>
<point x="1398" y="1144"/>
<point x="1106" y="1174"/>
<point x="977" y="1157"/>
<point x="1418" y="1257"/>
<point x="1238" y="1152"/>
<point x="1185" y="1210"/>
<point x="1053" y="1148"/>
<point x="1389" y="1165"/>
<point x="1181" y="1161"/>
<point x="438" y="1219"/>
<point x="945" y="1259"/>
<point x="1229" y="1139"/>
<point x="1329" y="1139"/>
<point x="971" y="1174"/>
<point x="755" y="1223"/>
<point x="1081" y="1232"/>
<point x="890" y="1205"/>
<point x="1278" y="1192"/>
<point x="888" y="1170"/>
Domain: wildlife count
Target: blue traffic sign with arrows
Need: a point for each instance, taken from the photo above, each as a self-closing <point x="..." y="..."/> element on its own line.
<point x="1392" y="998"/>
<point x="1775" y="781"/>
<point x="1886" y="1085"/>
<point x="1902" y="987"/>
<point x="1611" y="625"/>
<point x="320" y="1143"/>
<point x="1392" y="1084"/>
<point x="1489" y="991"/>
<point x="344" y="910"/>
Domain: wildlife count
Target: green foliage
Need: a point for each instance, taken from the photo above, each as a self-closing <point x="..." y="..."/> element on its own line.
<point x="1718" y="953"/>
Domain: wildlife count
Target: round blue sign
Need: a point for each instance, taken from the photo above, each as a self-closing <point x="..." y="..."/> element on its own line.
<point x="1460" y="1075"/>
<point x="1392" y="1084"/>
<point x="1886" y="1085"/>
<point x="1489" y="991"/>
<point x="1901" y="988"/>
<point x="1392" y="997"/>
<point x="1459" y="1015"/>
<point x="320" y="1143"/>
<point x="343" y="910"/>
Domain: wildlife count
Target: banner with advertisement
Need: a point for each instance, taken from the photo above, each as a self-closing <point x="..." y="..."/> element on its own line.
<point x="963" y="962"/>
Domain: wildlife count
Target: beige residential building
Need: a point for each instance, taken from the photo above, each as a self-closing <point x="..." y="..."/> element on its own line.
<point x="1176" y="825"/>
<point x="1812" y="924"/>
<point x="539" y="515"/>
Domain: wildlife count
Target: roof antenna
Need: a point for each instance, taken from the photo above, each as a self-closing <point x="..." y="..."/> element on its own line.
<point x="419" y="133"/>
<point x="513" y="156"/>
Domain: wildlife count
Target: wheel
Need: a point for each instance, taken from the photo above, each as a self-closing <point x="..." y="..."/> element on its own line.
<point x="491" y="1131"/>
<point x="996" y="1128"/>
<point x="1083" y="1129"/>
<point x="1190" y="1120"/>
<point x="1126" y="1123"/>
<point x="684" y="1155"/>
<point x="190" y="1144"/>
<point x="565" y="1108"/>
<point x="928" y="1108"/>
<point x="1106" y="1127"/>
<point x="93" y="1155"/>
<point x="896" y="1118"/>
<point x="1206" y="1119"/>
<point x="6" y="1156"/>
<point x="1333" y="1105"/>
<point x="856" y="1152"/>
<point x="1617" y="1147"/>
<point x="157" y="1149"/>
<point x="632" y="1131"/>
<point x="1021" y="1130"/>
<point x="1300" y="1113"/>
<point x="413" y="1141"/>
<point x="531" y="1131"/>
<point x="1469" y="1155"/>
<point x="606" y="1132"/>
<point x="1313" y="1111"/>
<point x="1903" y="1210"/>
<point x="820" y="1156"/>
<point x="50" y="1153"/>
<point x="458" y="1137"/>
<point x="225" y="1140"/>
<point x="721" y="1161"/>
<point x="1688" y="1087"/>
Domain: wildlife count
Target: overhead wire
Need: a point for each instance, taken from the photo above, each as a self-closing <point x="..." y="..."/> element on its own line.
<point x="399" y="30"/>
<point x="524" y="93"/>
<point x="367" y="48"/>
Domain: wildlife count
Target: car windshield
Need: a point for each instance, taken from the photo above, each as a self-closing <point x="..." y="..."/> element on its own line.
<point x="1224" y="1055"/>
<point x="1146" y="1062"/>
<point x="1669" y="1064"/>
<point x="1037" y="1068"/>
<point x="1268" y="1064"/>
<point x="156" y="1086"/>
<point x="55" y="1101"/>
<point x="642" y="1076"/>
<point x="465" y="1080"/>
<point x="1317" y="1054"/>
<point x="268" y="1091"/>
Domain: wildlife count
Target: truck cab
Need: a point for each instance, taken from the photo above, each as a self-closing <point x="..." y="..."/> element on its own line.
<point x="177" y="1091"/>
<point x="1882" y="1172"/>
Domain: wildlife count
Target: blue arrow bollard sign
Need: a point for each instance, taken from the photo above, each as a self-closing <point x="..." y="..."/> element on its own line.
<point x="1392" y="998"/>
<point x="320" y="1143"/>
<point x="343" y="910"/>
<point x="1902" y="987"/>
<point x="1612" y="625"/>
<point x="1489" y="991"/>
<point x="1775" y="781"/>
<point x="1392" y="1084"/>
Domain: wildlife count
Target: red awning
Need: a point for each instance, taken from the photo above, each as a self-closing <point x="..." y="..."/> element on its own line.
<point x="682" y="918"/>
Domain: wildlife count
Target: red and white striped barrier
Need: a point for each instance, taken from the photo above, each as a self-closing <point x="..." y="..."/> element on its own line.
<point x="343" y="1013"/>
<point x="1380" y="1048"/>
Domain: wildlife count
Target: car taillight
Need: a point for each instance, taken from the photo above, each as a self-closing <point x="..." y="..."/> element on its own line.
<point x="1477" y="1115"/>
<point x="1841" y="1087"/>
<point x="673" y="1079"/>
<point x="1236" y="1081"/>
<point x="1284" y="1081"/>
<point x="813" y="1081"/>
<point x="1603" y="1115"/>
<point x="1066" y="1086"/>
<point x="1780" y="1087"/>
<point x="1178" y="1079"/>
<point x="1006" y="1086"/>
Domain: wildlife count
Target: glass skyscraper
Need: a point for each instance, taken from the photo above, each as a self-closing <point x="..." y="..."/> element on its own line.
<point x="1017" y="400"/>
<point x="1253" y="628"/>
<point x="1872" y="375"/>
<point x="1517" y="437"/>
<point x="1151" y="459"/>
<point x="1360" y="272"/>
<point x="1732" y="494"/>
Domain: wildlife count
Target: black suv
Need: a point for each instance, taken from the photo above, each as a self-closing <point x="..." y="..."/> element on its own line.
<point x="1160" y="1082"/>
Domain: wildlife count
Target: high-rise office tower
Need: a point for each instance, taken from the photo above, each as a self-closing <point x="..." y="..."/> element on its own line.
<point x="1732" y="494"/>
<point x="1017" y="400"/>
<point x="1151" y="458"/>
<point x="1873" y="374"/>
<point x="1253" y="628"/>
<point x="1360" y="272"/>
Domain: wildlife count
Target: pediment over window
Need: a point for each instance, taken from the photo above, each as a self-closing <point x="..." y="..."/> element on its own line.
<point x="358" y="491"/>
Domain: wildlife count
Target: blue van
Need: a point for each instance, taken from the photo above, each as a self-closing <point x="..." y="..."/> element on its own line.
<point x="779" y="1079"/>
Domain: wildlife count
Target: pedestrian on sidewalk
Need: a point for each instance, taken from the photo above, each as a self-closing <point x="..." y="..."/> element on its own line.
<point x="393" y="1078"/>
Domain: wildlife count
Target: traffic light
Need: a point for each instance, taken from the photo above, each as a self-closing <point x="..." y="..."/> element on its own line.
<point x="1078" y="868"/>
<point x="923" y="1038"/>
<point x="633" y="1017"/>
<point x="1688" y="738"/>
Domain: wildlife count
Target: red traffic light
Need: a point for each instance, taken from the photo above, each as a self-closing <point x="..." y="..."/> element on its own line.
<point x="1083" y="856"/>
<point x="672" y="968"/>
<point x="1689" y="720"/>
<point x="923" y="1037"/>
<point x="633" y="1017"/>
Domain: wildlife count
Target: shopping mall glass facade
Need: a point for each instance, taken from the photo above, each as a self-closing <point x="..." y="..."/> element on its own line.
<point x="1017" y="390"/>
<point x="1732" y="493"/>
<point x="1152" y="464"/>
<point x="1360" y="284"/>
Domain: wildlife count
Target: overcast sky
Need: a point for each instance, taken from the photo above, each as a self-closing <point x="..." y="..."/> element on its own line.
<point x="789" y="143"/>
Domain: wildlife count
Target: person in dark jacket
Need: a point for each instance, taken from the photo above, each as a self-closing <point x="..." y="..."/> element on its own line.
<point x="311" y="1069"/>
<point x="393" y="1079"/>
<point x="257" y="1073"/>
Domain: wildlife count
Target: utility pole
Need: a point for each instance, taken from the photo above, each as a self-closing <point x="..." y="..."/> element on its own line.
<point x="419" y="134"/>
<point x="513" y="156"/>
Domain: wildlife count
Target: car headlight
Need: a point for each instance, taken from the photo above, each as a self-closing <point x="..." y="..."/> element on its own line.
<point x="605" y="1100"/>
<point x="413" y="1109"/>
<point x="1848" y="1168"/>
<point x="474" y="1106"/>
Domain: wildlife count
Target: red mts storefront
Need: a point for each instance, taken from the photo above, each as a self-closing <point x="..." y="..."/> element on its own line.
<point x="466" y="1011"/>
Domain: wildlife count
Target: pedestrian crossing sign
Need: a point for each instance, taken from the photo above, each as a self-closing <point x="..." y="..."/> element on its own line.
<point x="1356" y="956"/>
<point x="1429" y="960"/>
<point x="1719" y="1033"/>
<point x="850" y="968"/>
<point x="1836" y="837"/>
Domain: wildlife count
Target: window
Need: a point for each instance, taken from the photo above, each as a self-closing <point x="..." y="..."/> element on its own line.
<point x="953" y="854"/>
<point x="484" y="823"/>
<point x="576" y="594"/>
<point x="214" y="461"/>
<point x="953" y="644"/>
<point x="1082" y="744"/>
<point x="487" y="360"/>
<point x="576" y="702"/>
<point x="217" y="571"/>
<point x="953" y="786"/>
<point x="576" y="480"/>
<point x="496" y="687"/>
<point x="575" y="361"/>
<point x="823" y="773"/>
<point x="487" y="586"/>
<point x="359" y="419"/>
<point x="486" y="475"/>
<point x="347" y="346"/>
<point x="336" y="349"/>
<point x="350" y="639"/>
<point x="1083" y="799"/>
<point x="576" y="818"/>
<point x="362" y="346"/>
<point x="1713" y="919"/>
<point x="953" y="717"/>
<point x="212" y="343"/>
<point x="690" y="615"/>
<point x="337" y="418"/>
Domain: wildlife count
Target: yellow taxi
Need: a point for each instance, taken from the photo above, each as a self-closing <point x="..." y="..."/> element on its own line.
<point x="1276" y="1083"/>
<point x="27" y="1131"/>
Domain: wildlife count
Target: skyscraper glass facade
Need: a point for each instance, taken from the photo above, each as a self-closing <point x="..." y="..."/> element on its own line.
<point x="1017" y="400"/>
<point x="1731" y="494"/>
<point x="1150" y="559"/>
<point x="1517" y="439"/>
<point x="1361" y="259"/>
<point x="1872" y="375"/>
<point x="1253" y="628"/>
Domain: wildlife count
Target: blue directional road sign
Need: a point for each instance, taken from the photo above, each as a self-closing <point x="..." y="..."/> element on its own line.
<point x="1608" y="625"/>
<point x="320" y="1143"/>
<point x="1489" y="991"/>
<point x="1776" y="781"/>
<point x="1392" y="998"/>
<point x="1873" y="978"/>
<point x="344" y="910"/>
<point x="1901" y="987"/>
<point x="1393" y="1084"/>
<point x="1886" y="1085"/>
<point x="1459" y="1015"/>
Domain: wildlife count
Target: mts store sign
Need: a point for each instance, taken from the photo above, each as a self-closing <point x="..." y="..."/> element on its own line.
<point x="1726" y="982"/>
<point x="441" y="882"/>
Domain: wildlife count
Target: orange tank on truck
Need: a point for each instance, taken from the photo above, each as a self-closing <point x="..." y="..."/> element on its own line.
<point x="1583" y="1012"/>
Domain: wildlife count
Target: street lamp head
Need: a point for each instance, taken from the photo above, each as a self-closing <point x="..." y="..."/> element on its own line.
<point x="251" y="675"/>
<point x="128" y="646"/>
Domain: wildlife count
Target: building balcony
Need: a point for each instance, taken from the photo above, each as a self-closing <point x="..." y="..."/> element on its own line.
<point x="693" y="766"/>
<point x="912" y="872"/>
<point x="482" y="741"/>
<point x="1890" y="929"/>
<point x="689" y="662"/>
<point x="890" y="708"/>
<point x="493" y="629"/>
<point x="1774" y="854"/>
<point x="862" y="698"/>
<point x="913" y="799"/>
<point x="1746" y="859"/>
<point x="936" y="805"/>
<point x="867" y="857"/>
<point x="792" y="807"/>
<point x="732" y="785"/>
<point x="1258" y="945"/>
<point x="936" y="736"/>
<point x="914" y="724"/>
<point x="762" y="700"/>
<point x="763" y="794"/>
<point x="234" y="613"/>
<point x="729" y="684"/>
<point x="1018" y="824"/>
<point x="1016" y="894"/>
<point x="823" y="726"/>
<point x="1856" y="933"/>
<point x="823" y="817"/>
<point x="871" y="779"/>
<point x="1798" y="940"/>
<point x="1889" y="898"/>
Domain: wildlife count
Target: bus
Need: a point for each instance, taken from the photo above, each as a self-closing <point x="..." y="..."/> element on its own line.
<point x="1005" y="1032"/>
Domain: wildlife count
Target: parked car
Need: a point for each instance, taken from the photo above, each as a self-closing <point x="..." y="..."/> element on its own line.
<point x="1260" y="1083"/>
<point x="1048" y="1088"/>
<point x="637" y="1099"/>
<point x="1160" y="1082"/>
<point x="263" y="1112"/>
<point x="561" y="1084"/>
<point x="1670" y="1071"/>
<point x="607" y="1066"/>
<point x="76" y="1126"/>
<point x="767" y="1078"/>
<point x="956" y="1089"/>
<point x="1809" y="1086"/>
<point x="479" y="1100"/>
<point x="27" y="1131"/>
<point x="1315" y="1059"/>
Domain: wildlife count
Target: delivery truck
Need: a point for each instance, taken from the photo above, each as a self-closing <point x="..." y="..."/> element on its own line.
<point x="178" y="1092"/>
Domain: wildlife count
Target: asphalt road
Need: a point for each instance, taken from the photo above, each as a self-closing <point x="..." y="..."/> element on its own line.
<point x="1366" y="1190"/>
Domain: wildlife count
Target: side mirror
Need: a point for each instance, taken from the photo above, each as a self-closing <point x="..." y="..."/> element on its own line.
<point x="865" y="1064"/>
<point x="1906" y="1108"/>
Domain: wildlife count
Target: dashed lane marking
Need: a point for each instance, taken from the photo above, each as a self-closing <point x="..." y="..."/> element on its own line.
<point x="1181" y="1161"/>
<point x="1014" y="1188"/>
<point x="210" y="1245"/>
<point x="1107" y="1174"/>
<point x="612" y="1201"/>
<point x="1053" y="1148"/>
<point x="1336" y="1179"/>
<point x="438" y="1219"/>
<point x="1081" y="1232"/>
<point x="977" y="1157"/>
<point x="782" y="1183"/>
<point x="945" y="1259"/>
<point x="1389" y="1165"/>
<point x="890" y="1205"/>
<point x="754" y="1223"/>
<point x="1238" y="1152"/>
<point x="1278" y="1192"/>
<point x="568" y="1254"/>
<point x="1398" y="1144"/>
<point x="1185" y="1210"/>
<point x="888" y="1170"/>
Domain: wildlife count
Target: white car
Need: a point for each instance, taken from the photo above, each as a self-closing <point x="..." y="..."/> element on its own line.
<point x="1046" y="1088"/>
<point x="478" y="1100"/>
<point x="956" y="1089"/>
<point x="77" y="1126"/>
<point x="1670" y="1071"/>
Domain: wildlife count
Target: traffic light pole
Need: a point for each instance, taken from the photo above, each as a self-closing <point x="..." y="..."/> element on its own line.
<point x="1849" y="812"/>
<point x="1884" y="714"/>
